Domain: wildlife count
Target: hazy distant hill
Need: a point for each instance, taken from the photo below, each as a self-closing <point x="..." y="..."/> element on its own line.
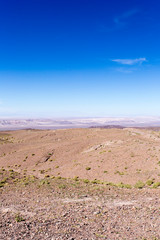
<point x="13" y="124"/>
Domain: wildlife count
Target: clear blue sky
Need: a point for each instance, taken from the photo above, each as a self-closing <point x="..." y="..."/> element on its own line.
<point x="79" y="58"/>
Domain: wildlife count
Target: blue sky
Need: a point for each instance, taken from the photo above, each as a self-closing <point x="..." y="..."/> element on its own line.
<point x="83" y="58"/>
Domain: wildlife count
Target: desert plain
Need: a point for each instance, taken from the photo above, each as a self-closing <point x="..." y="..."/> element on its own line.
<point x="91" y="183"/>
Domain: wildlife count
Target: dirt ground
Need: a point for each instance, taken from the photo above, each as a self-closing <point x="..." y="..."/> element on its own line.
<point x="71" y="209"/>
<point x="113" y="155"/>
<point x="80" y="184"/>
<point x="66" y="209"/>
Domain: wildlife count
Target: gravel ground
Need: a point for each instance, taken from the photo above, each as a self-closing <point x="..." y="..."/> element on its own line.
<point x="80" y="184"/>
<point x="52" y="213"/>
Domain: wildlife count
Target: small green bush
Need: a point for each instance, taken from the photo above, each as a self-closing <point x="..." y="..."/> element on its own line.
<point x="139" y="185"/>
<point x="76" y="178"/>
<point x="47" y="176"/>
<point x="95" y="181"/>
<point x="86" y="181"/>
<point x="120" y="173"/>
<point x="59" y="177"/>
<point x="149" y="182"/>
<point x="19" y="218"/>
<point x="155" y="185"/>
<point x="88" y="168"/>
<point x="44" y="181"/>
<point x="128" y="186"/>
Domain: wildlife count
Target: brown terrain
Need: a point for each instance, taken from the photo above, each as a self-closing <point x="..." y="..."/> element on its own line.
<point x="91" y="183"/>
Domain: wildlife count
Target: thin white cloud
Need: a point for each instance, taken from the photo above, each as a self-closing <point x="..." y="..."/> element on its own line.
<point x="121" y="18"/>
<point x="120" y="21"/>
<point x="130" y="61"/>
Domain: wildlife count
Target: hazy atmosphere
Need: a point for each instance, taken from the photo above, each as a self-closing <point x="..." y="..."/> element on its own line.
<point x="79" y="58"/>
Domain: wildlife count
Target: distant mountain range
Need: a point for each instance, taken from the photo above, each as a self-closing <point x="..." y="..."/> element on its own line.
<point x="14" y="124"/>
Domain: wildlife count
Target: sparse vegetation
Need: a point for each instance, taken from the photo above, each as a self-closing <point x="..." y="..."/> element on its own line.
<point x="88" y="168"/>
<point x="19" y="218"/>
<point x="86" y="181"/>
<point x="122" y="185"/>
<point x="47" y="176"/>
<point x="118" y="172"/>
<point x="76" y="178"/>
<point x="139" y="185"/>
<point x="156" y="185"/>
<point x="101" y="197"/>
<point x="150" y="182"/>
